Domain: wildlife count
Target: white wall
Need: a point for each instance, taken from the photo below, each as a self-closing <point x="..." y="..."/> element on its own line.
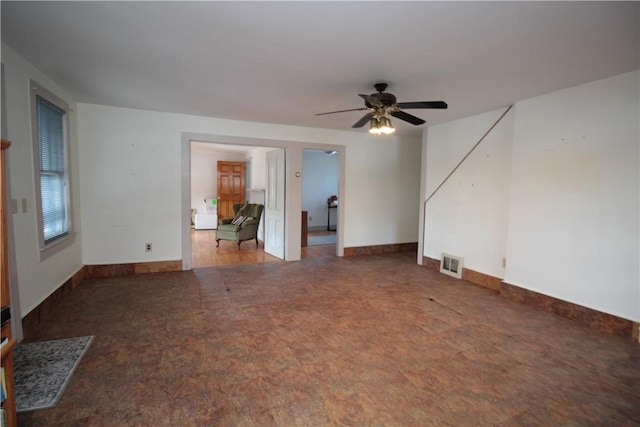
<point x="574" y="211"/>
<point x="35" y="279"/>
<point x="131" y="171"/>
<point x="383" y="193"/>
<point x="468" y="215"/>
<point x="204" y="177"/>
<point x="568" y="195"/>
<point x="258" y="158"/>
<point x="319" y="182"/>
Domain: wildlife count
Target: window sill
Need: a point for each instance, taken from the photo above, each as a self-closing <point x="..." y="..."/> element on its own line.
<point x="57" y="246"/>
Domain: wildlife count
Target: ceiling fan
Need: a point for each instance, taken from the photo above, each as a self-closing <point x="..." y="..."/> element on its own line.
<point x="382" y="104"/>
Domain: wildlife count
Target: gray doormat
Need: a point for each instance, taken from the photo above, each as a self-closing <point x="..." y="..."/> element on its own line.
<point x="42" y="370"/>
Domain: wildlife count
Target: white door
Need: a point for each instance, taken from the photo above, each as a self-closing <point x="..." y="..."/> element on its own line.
<point x="274" y="204"/>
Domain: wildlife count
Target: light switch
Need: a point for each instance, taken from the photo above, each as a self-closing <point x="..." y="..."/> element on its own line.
<point x="24" y="205"/>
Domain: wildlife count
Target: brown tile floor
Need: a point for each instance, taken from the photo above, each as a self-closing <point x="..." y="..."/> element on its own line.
<point x="367" y="341"/>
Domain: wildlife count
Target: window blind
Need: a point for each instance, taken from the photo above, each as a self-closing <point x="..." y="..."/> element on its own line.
<point x="50" y="123"/>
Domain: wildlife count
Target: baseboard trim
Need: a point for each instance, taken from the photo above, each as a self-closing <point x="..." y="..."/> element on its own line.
<point x="130" y="269"/>
<point x="380" y="249"/>
<point x="42" y="311"/>
<point x="594" y="319"/>
<point x="472" y="276"/>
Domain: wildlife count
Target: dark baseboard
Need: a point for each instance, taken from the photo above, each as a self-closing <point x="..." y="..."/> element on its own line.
<point x="40" y="314"/>
<point x="130" y="269"/>
<point x="42" y="311"/>
<point x="595" y="319"/>
<point x="468" y="275"/>
<point x="381" y="249"/>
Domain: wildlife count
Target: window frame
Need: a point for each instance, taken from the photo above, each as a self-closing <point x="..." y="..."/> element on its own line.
<point x="56" y="244"/>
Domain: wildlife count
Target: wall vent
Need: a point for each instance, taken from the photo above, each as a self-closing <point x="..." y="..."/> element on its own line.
<point x="451" y="265"/>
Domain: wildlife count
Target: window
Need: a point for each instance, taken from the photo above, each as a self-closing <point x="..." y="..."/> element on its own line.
<point x="49" y="121"/>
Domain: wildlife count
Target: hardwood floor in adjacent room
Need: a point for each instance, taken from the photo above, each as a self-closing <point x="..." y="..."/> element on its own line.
<point x="204" y="252"/>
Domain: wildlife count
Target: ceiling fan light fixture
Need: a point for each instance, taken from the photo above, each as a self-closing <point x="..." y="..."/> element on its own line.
<point x="374" y="127"/>
<point x="386" y="127"/>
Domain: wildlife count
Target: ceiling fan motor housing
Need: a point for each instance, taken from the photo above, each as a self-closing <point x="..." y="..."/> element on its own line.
<point x="381" y="100"/>
<point x="386" y="100"/>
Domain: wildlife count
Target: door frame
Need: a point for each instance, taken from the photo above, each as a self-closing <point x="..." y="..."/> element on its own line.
<point x="293" y="188"/>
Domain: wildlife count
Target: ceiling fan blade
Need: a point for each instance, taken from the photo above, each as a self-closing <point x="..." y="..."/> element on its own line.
<point x="372" y="100"/>
<point x="425" y="104"/>
<point x="363" y="121"/>
<point x="408" y="117"/>
<point x="342" y="111"/>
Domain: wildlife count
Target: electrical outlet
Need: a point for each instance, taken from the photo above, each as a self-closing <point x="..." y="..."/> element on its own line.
<point x="310" y="218"/>
<point x="504" y="263"/>
<point x="147" y="247"/>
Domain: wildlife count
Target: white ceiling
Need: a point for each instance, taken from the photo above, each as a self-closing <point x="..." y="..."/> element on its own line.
<point x="283" y="62"/>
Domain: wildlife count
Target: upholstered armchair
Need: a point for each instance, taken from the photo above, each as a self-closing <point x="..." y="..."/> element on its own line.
<point x="243" y="226"/>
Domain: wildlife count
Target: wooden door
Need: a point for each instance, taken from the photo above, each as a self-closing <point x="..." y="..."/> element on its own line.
<point x="231" y="178"/>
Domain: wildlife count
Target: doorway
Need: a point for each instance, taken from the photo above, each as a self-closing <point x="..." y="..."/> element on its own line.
<point x="320" y="201"/>
<point x="224" y="175"/>
<point x="293" y="185"/>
